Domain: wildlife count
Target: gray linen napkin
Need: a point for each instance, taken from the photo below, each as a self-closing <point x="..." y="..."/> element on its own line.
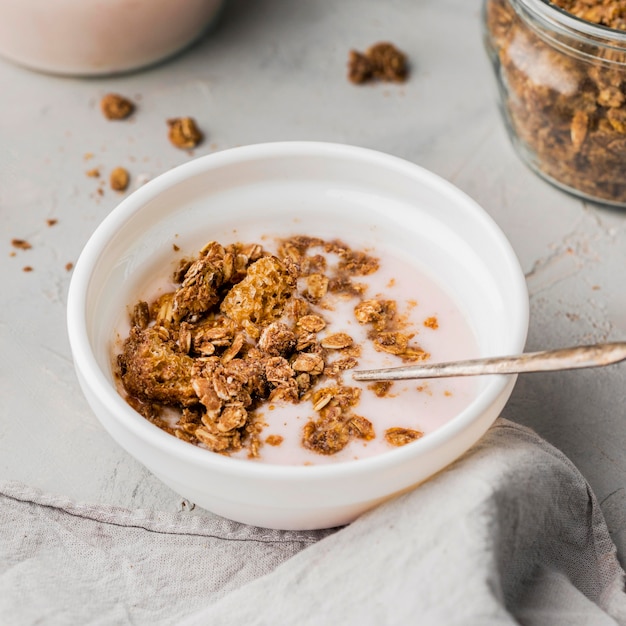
<point x="508" y="534"/>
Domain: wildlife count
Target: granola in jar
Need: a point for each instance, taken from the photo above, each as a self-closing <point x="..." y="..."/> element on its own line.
<point x="561" y="72"/>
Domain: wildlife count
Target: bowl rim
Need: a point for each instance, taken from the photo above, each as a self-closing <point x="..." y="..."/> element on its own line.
<point x="89" y="372"/>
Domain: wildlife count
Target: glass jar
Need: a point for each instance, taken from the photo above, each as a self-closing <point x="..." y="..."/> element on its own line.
<point x="562" y="83"/>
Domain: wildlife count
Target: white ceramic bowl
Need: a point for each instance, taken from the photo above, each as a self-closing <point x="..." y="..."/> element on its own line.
<point x="319" y="189"/>
<point x="93" y="37"/>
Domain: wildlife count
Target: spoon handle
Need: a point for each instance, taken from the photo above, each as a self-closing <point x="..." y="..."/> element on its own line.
<point x="595" y="355"/>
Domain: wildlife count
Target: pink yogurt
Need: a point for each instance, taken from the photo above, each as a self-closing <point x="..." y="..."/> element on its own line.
<point x="420" y="405"/>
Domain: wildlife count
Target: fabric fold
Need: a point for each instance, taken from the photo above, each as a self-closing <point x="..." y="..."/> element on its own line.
<point x="508" y="534"/>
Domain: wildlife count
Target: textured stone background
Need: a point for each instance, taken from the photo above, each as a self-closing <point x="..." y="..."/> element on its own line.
<point x="275" y="70"/>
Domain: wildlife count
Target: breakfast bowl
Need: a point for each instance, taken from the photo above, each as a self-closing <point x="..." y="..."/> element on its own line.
<point x="440" y="244"/>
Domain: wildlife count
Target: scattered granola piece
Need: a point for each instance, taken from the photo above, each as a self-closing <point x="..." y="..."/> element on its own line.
<point x="184" y="133"/>
<point x="21" y="244"/>
<point x="382" y="61"/>
<point x="274" y="440"/>
<point x="116" y="107"/>
<point x="431" y="322"/>
<point x="51" y="222"/>
<point x="119" y="179"/>
<point x="27" y="268"/>
<point x="402" y="436"/>
<point x="93" y="173"/>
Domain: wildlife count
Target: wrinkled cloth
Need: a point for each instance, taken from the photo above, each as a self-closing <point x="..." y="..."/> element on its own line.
<point x="508" y="534"/>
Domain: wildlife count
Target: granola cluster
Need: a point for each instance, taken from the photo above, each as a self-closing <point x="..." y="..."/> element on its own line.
<point x="380" y="62"/>
<point x="566" y="110"/>
<point x="243" y="328"/>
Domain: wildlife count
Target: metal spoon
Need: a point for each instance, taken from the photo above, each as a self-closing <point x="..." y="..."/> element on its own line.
<point x="595" y="355"/>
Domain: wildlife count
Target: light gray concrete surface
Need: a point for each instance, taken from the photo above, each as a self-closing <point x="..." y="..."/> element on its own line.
<point x="275" y="70"/>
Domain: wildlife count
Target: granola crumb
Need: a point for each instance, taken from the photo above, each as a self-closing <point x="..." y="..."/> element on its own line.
<point x="93" y="173"/>
<point x="116" y="107"/>
<point x="381" y="388"/>
<point x="119" y="179"/>
<point x="380" y="62"/>
<point x="27" y="268"/>
<point x="52" y="222"/>
<point x="402" y="436"/>
<point x="184" y="132"/>
<point x="21" y="244"/>
<point x="431" y="322"/>
<point x="69" y="267"/>
<point x="274" y="440"/>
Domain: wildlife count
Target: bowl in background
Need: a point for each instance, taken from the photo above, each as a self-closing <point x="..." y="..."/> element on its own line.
<point x="318" y="189"/>
<point x="99" y="37"/>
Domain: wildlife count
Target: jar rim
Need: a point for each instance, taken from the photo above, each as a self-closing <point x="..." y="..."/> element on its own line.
<point x="575" y="25"/>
